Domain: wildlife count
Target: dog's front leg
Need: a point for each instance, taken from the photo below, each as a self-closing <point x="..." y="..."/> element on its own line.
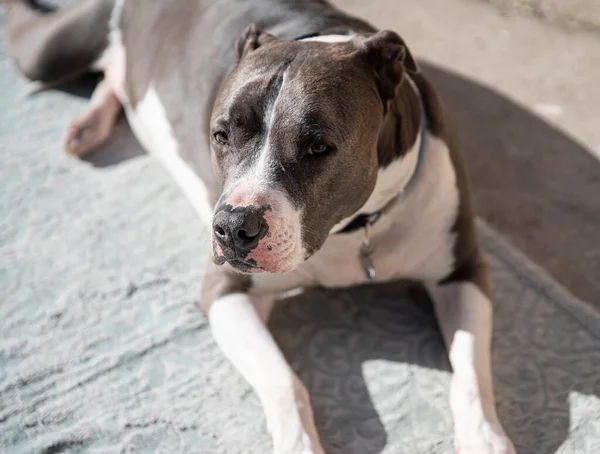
<point x="237" y="320"/>
<point x="465" y="316"/>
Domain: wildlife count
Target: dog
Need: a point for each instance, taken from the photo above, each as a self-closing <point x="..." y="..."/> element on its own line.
<point x="315" y="150"/>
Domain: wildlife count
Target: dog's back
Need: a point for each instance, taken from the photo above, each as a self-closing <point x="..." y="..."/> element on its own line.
<point x="52" y="45"/>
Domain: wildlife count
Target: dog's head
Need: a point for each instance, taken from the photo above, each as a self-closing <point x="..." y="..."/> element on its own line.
<point x="294" y="135"/>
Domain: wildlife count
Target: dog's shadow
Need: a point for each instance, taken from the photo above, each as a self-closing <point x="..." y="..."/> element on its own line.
<point x="376" y="368"/>
<point x="335" y="339"/>
<point x="122" y="146"/>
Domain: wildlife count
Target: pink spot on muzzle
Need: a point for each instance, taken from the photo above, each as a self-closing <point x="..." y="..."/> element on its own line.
<point x="261" y="254"/>
<point x="267" y="254"/>
<point x="241" y="197"/>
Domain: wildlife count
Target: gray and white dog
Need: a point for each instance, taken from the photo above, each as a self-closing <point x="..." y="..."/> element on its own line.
<point x="312" y="146"/>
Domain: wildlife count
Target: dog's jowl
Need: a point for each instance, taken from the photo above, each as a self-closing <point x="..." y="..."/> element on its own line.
<point x="314" y="149"/>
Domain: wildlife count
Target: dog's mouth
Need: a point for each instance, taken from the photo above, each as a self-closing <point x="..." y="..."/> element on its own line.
<point x="246" y="267"/>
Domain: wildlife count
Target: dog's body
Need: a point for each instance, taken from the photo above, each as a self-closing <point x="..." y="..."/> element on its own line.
<point x="389" y="200"/>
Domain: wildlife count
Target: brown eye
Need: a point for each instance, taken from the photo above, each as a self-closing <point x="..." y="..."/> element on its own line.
<point x="318" y="148"/>
<point x="221" y="137"/>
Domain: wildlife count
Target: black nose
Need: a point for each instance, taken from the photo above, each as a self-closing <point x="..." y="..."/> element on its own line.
<point x="240" y="229"/>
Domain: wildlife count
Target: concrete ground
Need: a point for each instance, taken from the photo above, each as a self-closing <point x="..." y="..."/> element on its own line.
<point x="103" y="350"/>
<point x="524" y="97"/>
<point x="574" y="14"/>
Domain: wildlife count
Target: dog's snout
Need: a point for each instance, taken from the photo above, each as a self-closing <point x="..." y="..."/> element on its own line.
<point x="240" y="229"/>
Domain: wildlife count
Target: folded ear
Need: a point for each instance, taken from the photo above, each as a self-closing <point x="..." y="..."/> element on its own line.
<point x="252" y="39"/>
<point x="388" y="56"/>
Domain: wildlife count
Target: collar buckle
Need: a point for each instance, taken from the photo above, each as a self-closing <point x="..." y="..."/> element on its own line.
<point x="366" y="250"/>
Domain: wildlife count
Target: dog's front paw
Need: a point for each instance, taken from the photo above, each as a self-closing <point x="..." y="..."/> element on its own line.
<point x="488" y="440"/>
<point x="290" y="420"/>
<point x="296" y="436"/>
<point x="300" y="446"/>
<point x="298" y="440"/>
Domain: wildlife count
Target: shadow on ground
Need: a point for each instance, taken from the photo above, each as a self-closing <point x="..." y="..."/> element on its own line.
<point x="330" y="336"/>
<point x="376" y="368"/>
<point x="532" y="182"/>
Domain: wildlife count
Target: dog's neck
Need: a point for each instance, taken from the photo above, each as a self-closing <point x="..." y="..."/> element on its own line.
<point x="400" y="145"/>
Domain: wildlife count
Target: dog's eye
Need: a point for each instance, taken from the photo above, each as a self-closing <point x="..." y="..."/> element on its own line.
<point x="221" y="137"/>
<point x="318" y="148"/>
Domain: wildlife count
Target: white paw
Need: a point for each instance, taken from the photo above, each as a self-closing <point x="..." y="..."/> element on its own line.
<point x="290" y="421"/>
<point x="300" y="444"/>
<point x="489" y="440"/>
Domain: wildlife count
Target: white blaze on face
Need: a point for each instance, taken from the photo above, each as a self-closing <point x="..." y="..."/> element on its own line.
<point x="281" y="250"/>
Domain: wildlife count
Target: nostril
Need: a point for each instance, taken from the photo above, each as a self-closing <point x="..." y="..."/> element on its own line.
<point x="244" y="235"/>
<point x="219" y="232"/>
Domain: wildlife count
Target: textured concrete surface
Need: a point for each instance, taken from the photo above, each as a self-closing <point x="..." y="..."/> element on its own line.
<point x="103" y="350"/>
<point x="524" y="97"/>
<point x="571" y="13"/>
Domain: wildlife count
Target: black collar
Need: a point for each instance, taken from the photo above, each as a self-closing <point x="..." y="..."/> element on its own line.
<point x="360" y="222"/>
